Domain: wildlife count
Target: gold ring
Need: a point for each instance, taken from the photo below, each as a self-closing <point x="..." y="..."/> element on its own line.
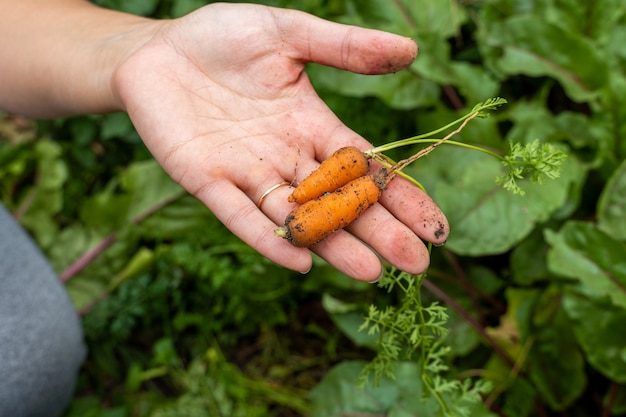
<point x="269" y="190"/>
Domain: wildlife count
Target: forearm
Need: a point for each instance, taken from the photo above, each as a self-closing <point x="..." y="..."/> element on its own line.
<point x="57" y="57"/>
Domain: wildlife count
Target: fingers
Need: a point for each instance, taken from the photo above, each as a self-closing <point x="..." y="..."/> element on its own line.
<point x="352" y="48"/>
<point x="405" y="201"/>
<point x="242" y="217"/>
<point x="393" y="240"/>
<point x="417" y="210"/>
<point x="342" y="250"/>
<point x="377" y="227"/>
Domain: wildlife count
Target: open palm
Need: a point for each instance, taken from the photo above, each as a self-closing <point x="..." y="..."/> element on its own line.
<point x="221" y="99"/>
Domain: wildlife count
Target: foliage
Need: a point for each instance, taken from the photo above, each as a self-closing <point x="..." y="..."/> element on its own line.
<point x="528" y="294"/>
<point x="413" y="331"/>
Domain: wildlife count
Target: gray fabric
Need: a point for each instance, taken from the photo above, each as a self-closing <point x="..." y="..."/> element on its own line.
<point x="41" y="345"/>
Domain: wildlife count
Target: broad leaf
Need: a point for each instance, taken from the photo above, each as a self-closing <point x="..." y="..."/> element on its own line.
<point x="619" y="401"/>
<point x="414" y="18"/>
<point x="519" y="399"/>
<point x="348" y="317"/>
<point x="527" y="44"/>
<point x="402" y="90"/>
<point x="142" y="7"/>
<point x="461" y="337"/>
<point x="45" y="199"/>
<point x="147" y="185"/>
<point x="144" y="187"/>
<point x="484" y="218"/>
<point x="612" y="205"/>
<point x="582" y="252"/>
<point x="596" y="19"/>
<point x="556" y="365"/>
<point x="434" y="64"/>
<point x="599" y="328"/>
<point x="337" y="395"/>
<point x="529" y="260"/>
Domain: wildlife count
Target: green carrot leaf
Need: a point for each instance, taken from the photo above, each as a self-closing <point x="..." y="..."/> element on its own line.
<point x="535" y="161"/>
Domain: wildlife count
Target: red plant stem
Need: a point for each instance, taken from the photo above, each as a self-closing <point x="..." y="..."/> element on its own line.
<point x="465" y="282"/>
<point x="450" y="302"/>
<point x="26" y="204"/>
<point x="90" y="255"/>
<point x="610" y="402"/>
<point x="453" y="97"/>
<point x="87" y="258"/>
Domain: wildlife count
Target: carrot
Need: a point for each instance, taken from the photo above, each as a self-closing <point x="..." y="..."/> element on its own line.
<point x="325" y="208"/>
<point x="340" y="168"/>
<point x="318" y="218"/>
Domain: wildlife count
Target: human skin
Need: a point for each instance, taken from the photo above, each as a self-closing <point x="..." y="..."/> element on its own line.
<point x="221" y="99"/>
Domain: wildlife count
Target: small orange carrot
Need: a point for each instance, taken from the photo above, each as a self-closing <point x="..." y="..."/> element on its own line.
<point x="318" y="218"/>
<point x="337" y="170"/>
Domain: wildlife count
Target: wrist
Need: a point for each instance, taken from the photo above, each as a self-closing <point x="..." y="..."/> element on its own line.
<point x="60" y="56"/>
<point x="115" y="49"/>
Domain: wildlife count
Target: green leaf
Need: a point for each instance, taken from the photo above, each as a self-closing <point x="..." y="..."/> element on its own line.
<point x="519" y="399"/>
<point x="348" y="318"/>
<point x="531" y="120"/>
<point x="139" y="264"/>
<point x="461" y="337"/>
<point x="140" y="7"/>
<point x="45" y="198"/>
<point x="440" y="18"/>
<point x="529" y="260"/>
<point x="472" y="81"/>
<point x="596" y="20"/>
<point x="182" y="7"/>
<point x="144" y="187"/>
<point x="402" y="90"/>
<point x="527" y="44"/>
<point x="619" y="403"/>
<point x="106" y="212"/>
<point x="337" y="395"/>
<point x="379" y="14"/>
<point x="116" y="125"/>
<point x="413" y="18"/>
<point x="599" y="329"/>
<point x="484" y="218"/>
<point x="84" y="292"/>
<point x="70" y="244"/>
<point x="90" y="407"/>
<point x="556" y="365"/>
<point x="596" y="261"/>
<point x="147" y="185"/>
<point x="612" y="205"/>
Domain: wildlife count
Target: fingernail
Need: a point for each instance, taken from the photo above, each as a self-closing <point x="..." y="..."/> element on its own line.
<point x="305" y="272"/>
<point x="382" y="273"/>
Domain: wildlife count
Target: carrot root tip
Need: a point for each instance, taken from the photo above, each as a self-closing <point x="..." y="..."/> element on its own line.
<point x="281" y="232"/>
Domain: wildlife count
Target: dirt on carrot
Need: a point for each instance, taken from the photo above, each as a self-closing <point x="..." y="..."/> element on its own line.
<point x="318" y="218"/>
<point x="343" y="166"/>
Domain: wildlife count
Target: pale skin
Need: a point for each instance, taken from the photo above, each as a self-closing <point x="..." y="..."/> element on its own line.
<point x="221" y="99"/>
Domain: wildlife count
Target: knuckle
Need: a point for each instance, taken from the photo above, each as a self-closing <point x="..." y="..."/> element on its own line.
<point x="239" y="216"/>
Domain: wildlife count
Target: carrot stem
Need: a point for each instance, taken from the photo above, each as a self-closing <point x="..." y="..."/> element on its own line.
<point x="388" y="163"/>
<point x="410" y="141"/>
<point x="405" y="162"/>
<point x="478" y="110"/>
<point x="448" y="142"/>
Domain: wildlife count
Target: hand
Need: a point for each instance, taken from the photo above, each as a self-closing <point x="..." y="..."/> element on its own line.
<point x="221" y="99"/>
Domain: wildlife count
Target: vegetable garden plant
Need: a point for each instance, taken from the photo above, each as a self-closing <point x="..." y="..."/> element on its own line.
<point x="521" y="313"/>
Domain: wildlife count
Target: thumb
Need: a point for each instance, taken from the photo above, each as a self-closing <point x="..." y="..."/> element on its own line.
<point x="352" y="48"/>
